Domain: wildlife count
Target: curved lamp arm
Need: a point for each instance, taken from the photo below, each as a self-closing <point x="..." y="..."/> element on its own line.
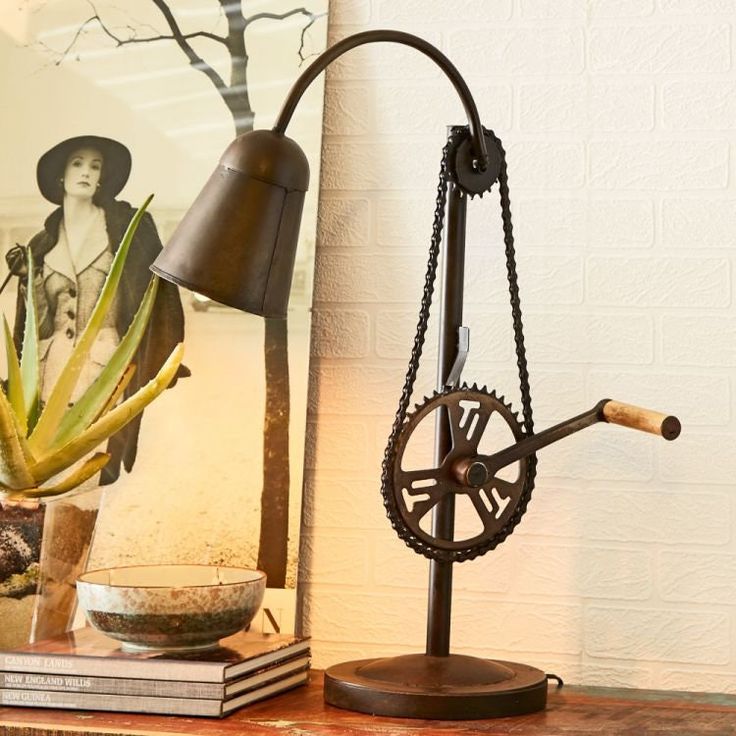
<point x="237" y="242"/>
<point x="406" y="39"/>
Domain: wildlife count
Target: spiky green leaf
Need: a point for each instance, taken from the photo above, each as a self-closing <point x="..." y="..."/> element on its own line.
<point x="125" y="379"/>
<point x="54" y="462"/>
<point x="29" y="363"/>
<point x="14" y="471"/>
<point x="58" y="401"/>
<point x="15" y="380"/>
<point x="76" y="478"/>
<point x="87" y="408"/>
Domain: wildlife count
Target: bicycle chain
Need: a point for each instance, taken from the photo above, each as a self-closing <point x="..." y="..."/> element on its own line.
<point x="457" y="136"/>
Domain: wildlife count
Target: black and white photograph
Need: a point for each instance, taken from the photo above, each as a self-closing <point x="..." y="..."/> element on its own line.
<point x="110" y="103"/>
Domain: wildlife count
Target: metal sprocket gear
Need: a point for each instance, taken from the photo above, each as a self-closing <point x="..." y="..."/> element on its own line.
<point x="410" y="495"/>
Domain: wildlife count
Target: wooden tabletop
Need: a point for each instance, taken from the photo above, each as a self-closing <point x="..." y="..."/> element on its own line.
<point x="571" y="711"/>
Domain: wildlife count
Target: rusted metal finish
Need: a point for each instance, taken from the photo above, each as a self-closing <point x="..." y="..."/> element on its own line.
<point x="479" y="160"/>
<point x="503" y="458"/>
<point x="454" y="687"/>
<point x="452" y="172"/>
<point x="498" y="502"/>
<point x="463" y="470"/>
<point x="571" y="711"/>
<point x="471" y="180"/>
<point x="237" y="242"/>
<point x="439" y="593"/>
<point x="237" y="245"/>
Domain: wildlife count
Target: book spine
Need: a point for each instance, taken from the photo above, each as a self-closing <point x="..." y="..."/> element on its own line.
<point x="110" y="685"/>
<point x="108" y="667"/>
<point x="120" y="703"/>
<point x="155" y="688"/>
<point x="160" y="669"/>
<point x="146" y="704"/>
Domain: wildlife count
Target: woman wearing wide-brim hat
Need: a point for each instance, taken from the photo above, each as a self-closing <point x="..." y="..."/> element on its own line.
<point x="72" y="256"/>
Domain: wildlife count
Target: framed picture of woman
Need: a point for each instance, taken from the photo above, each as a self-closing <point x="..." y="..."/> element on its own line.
<point x="112" y="102"/>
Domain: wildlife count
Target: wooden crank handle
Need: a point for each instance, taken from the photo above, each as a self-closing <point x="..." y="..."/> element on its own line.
<point x="646" y="420"/>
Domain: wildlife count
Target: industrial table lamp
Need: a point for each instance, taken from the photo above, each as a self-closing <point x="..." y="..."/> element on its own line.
<point x="237" y="245"/>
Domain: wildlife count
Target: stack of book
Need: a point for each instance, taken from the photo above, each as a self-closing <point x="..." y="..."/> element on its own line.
<point x="85" y="670"/>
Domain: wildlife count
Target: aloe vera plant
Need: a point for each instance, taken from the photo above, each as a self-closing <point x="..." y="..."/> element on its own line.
<point x="39" y="443"/>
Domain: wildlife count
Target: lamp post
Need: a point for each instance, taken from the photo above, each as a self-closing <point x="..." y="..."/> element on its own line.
<point x="237" y="244"/>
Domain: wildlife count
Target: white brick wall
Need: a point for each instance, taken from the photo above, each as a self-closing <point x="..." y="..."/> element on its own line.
<point x="619" y="119"/>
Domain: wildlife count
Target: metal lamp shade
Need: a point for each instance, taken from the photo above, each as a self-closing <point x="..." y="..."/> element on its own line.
<point x="237" y="243"/>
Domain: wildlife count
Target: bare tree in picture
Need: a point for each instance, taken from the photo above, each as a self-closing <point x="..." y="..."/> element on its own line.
<point x="272" y="548"/>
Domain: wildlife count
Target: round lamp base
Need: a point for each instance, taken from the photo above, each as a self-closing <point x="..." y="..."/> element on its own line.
<point x="456" y="687"/>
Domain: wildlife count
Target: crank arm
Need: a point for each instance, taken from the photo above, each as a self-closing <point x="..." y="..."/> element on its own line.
<point x="477" y="470"/>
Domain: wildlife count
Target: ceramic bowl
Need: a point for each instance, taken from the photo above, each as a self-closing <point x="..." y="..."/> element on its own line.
<point x="171" y="607"/>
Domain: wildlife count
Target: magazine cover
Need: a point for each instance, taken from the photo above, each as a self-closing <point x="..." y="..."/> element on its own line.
<point x="106" y="103"/>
